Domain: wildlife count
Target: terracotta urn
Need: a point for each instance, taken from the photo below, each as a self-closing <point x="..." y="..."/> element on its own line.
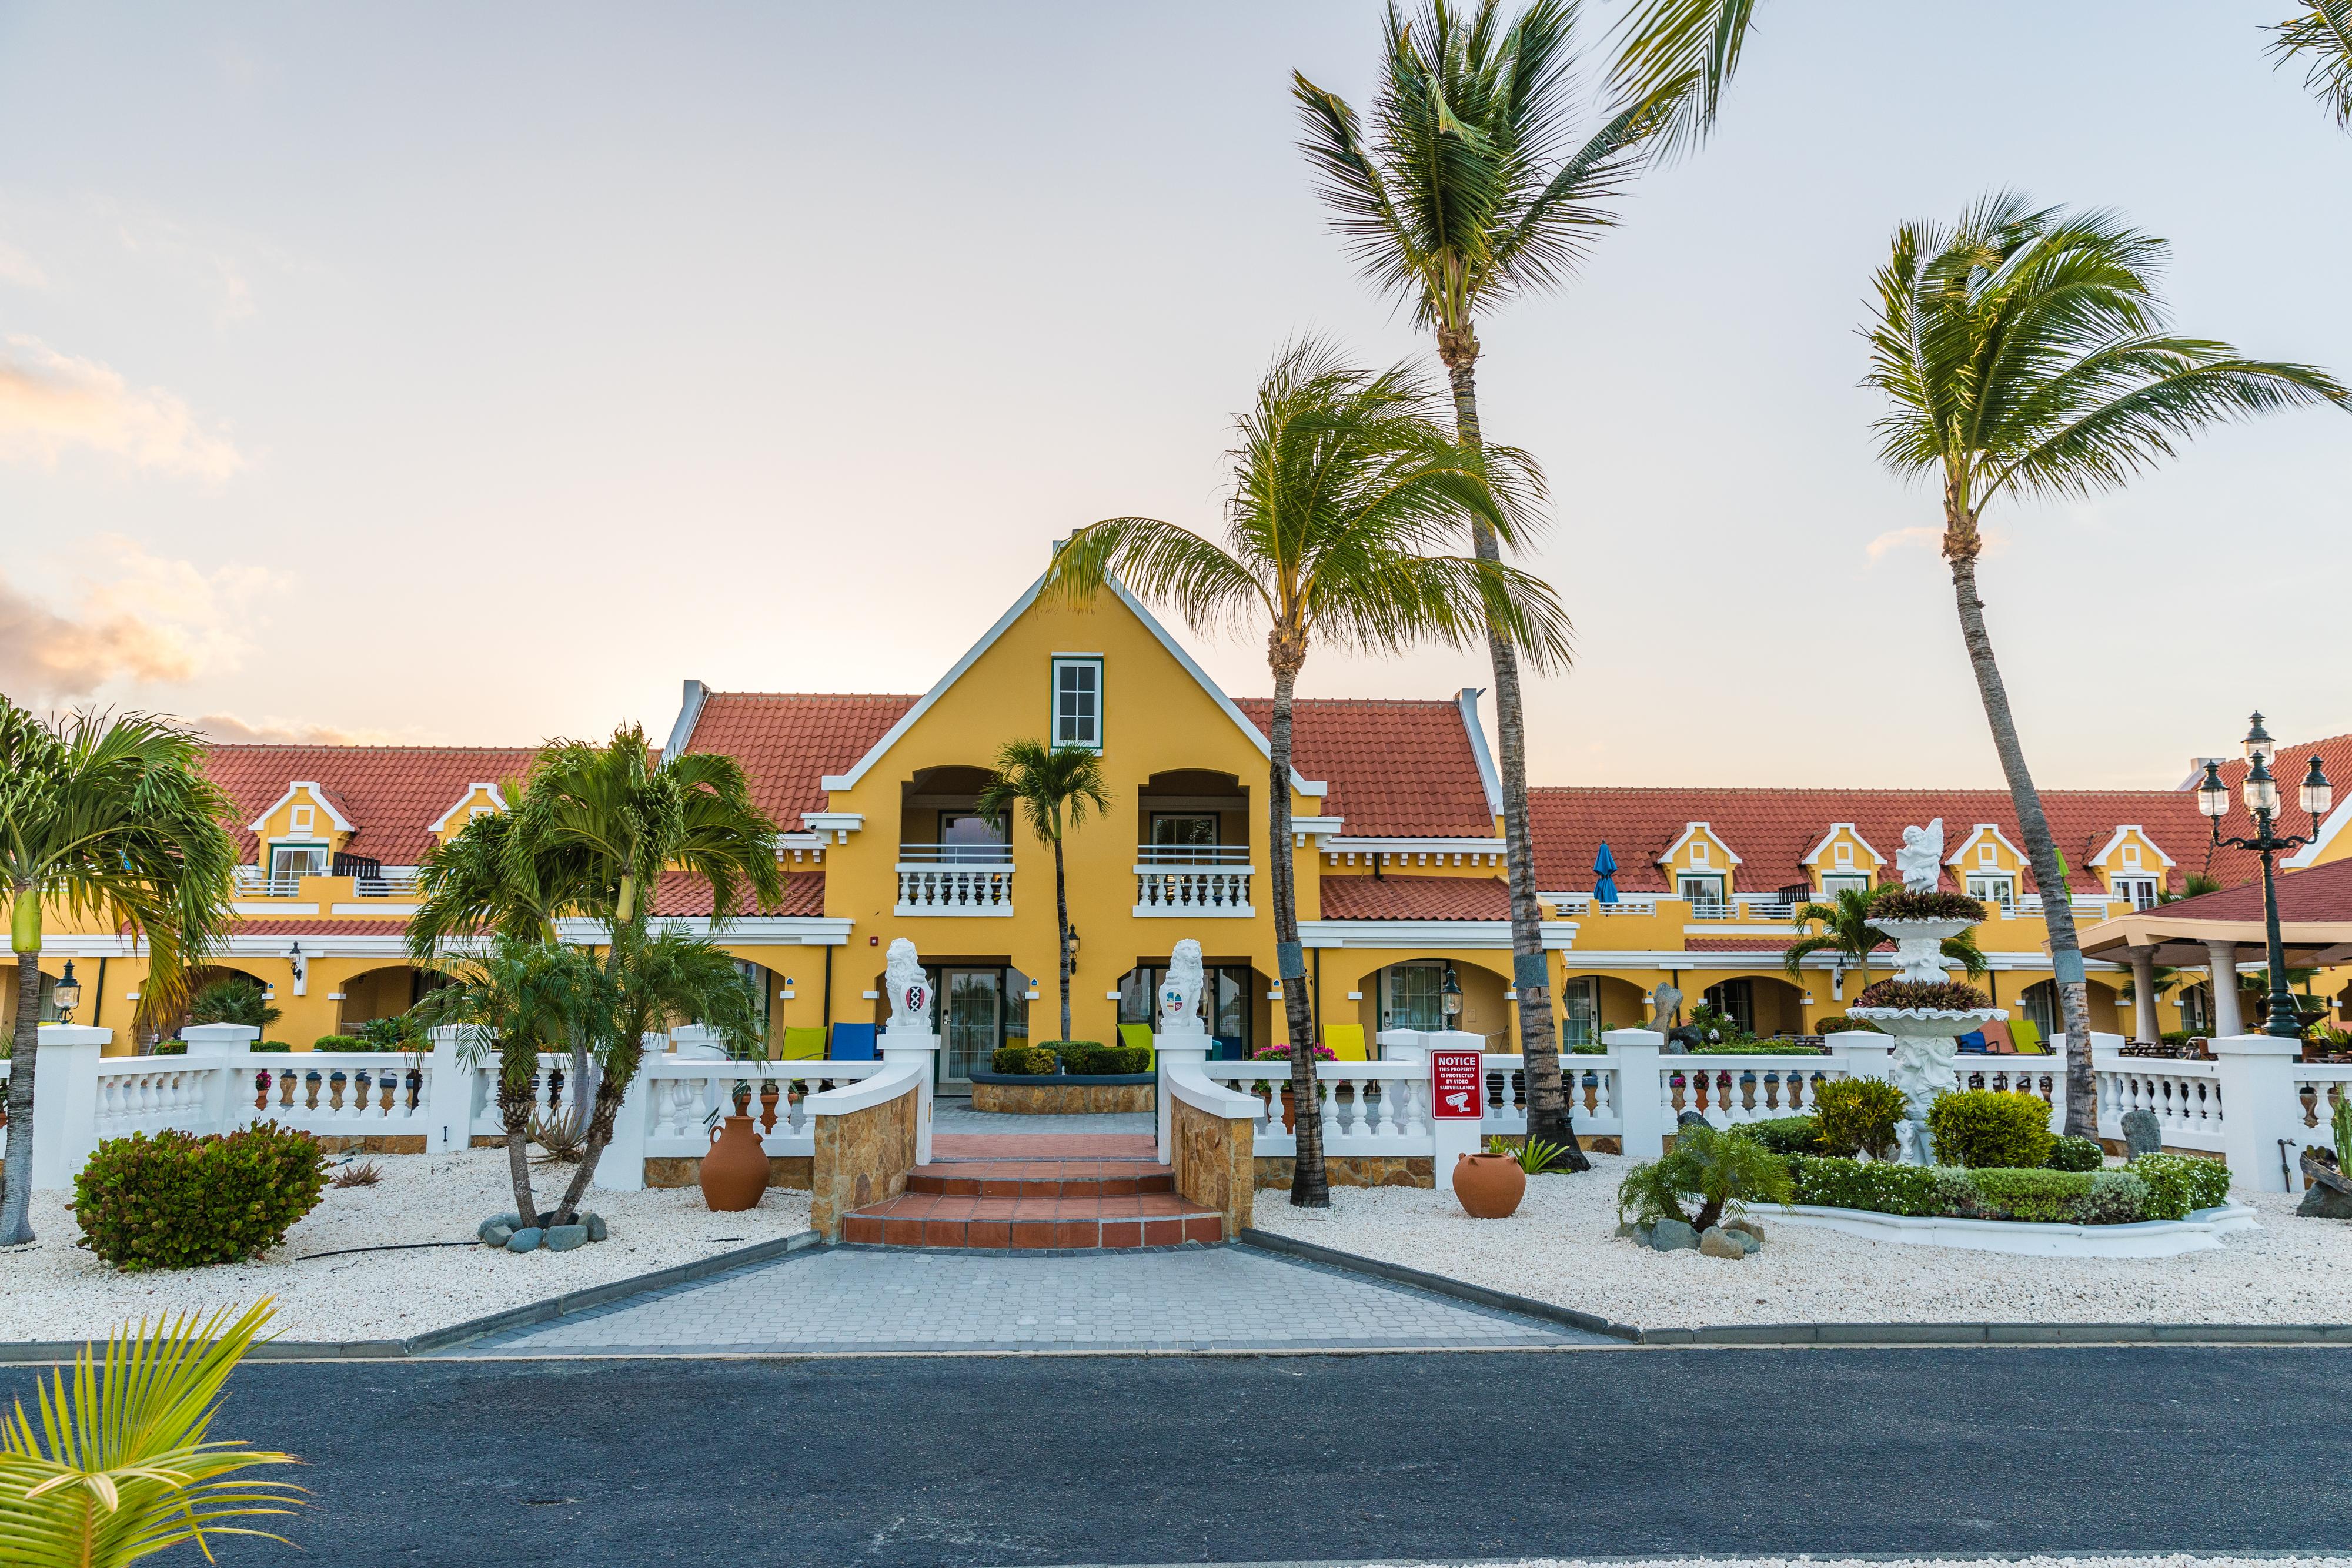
<point x="1489" y="1186"/>
<point x="735" y="1171"/>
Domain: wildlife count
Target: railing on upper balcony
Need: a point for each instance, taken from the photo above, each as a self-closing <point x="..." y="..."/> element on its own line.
<point x="1193" y="879"/>
<point x="955" y="879"/>
<point x="256" y="881"/>
<point x="1583" y="904"/>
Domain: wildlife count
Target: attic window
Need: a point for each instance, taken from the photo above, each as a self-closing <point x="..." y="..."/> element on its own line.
<point x="301" y="818"/>
<point x="1698" y="852"/>
<point x="480" y="811"/>
<point x="2131" y="854"/>
<point x="1845" y="854"/>
<point x="1077" y="702"/>
<point x="1988" y="855"/>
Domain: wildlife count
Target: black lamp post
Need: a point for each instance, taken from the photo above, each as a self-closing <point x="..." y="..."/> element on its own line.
<point x="1450" y="997"/>
<point x="66" y="995"/>
<point x="2316" y="797"/>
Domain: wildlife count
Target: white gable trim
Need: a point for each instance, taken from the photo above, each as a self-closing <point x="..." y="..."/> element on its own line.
<point x="1467" y="701"/>
<point x="1693" y="829"/>
<point x="906" y="721"/>
<point x="463" y="800"/>
<point x="2334" y="823"/>
<point x="2001" y="838"/>
<point x="2115" y="842"/>
<point x="318" y="797"/>
<point x="1831" y="837"/>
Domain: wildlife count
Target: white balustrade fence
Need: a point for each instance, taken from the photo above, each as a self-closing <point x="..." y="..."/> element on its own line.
<point x="955" y="890"/>
<point x="1208" y="892"/>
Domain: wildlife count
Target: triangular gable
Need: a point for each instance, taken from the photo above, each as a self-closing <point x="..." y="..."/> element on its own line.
<point x="1850" y="830"/>
<point x="473" y="792"/>
<point x="1692" y="831"/>
<point x="1020" y="606"/>
<point x="1984" y="829"/>
<point x="319" y="797"/>
<point x="2133" y="830"/>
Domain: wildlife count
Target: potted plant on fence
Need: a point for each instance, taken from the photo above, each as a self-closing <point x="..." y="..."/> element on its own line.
<point x="1281" y="1053"/>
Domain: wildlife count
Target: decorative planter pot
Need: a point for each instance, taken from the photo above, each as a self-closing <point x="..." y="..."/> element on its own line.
<point x="735" y="1170"/>
<point x="1489" y="1186"/>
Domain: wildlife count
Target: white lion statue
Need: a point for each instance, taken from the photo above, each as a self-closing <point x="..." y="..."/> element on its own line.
<point x="1179" y="990"/>
<point x="911" y="991"/>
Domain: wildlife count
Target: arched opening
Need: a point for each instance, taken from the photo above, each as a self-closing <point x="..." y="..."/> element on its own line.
<point x="938" y="817"/>
<point x="160" y="1025"/>
<point x="384" y="993"/>
<point x="1185" y="815"/>
<point x="1590" y="1006"/>
<point x="2039" y="1003"/>
<point x="1761" y="1005"/>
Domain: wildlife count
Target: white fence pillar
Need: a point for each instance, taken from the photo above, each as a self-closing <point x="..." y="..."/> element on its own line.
<point x="65" y="1101"/>
<point x="219" y="1041"/>
<point x="448" y="1092"/>
<point x="1170" y="1051"/>
<point x="2260" y="1110"/>
<point x="623" y="1166"/>
<point x="2221" y="969"/>
<point x="921" y="1047"/>
<point x="1640" y="1107"/>
<point x="1454" y="1139"/>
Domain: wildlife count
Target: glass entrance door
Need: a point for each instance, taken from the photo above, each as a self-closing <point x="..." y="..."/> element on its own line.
<point x="974" y="1022"/>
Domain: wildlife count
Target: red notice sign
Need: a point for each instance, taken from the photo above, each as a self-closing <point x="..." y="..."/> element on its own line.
<point x="1455" y="1086"/>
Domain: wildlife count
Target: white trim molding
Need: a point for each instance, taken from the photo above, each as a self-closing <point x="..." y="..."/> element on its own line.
<point x="1690" y="831"/>
<point x="1305" y="828"/>
<point x="840" y="825"/>
<point x="2116" y="842"/>
<point x="318" y="797"/>
<point x="1434" y="934"/>
<point x="1466" y="701"/>
<point x="1981" y="828"/>
<point x="442" y="822"/>
<point x="1831" y="837"/>
<point x="743" y="931"/>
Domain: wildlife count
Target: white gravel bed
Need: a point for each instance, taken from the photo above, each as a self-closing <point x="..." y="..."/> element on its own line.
<point x="56" y="1289"/>
<point x="1562" y="1247"/>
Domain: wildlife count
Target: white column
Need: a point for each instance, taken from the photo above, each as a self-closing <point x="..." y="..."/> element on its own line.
<point x="1634" y="1052"/>
<point x="2259" y="1108"/>
<point x="623" y="1166"/>
<point x="922" y="1047"/>
<point x="2144" y="1025"/>
<point x="1454" y="1139"/>
<point x="1168" y="1051"/>
<point x="65" y="1101"/>
<point x="1863" y="1054"/>
<point x="2223" y="968"/>
<point x="223" y="1043"/>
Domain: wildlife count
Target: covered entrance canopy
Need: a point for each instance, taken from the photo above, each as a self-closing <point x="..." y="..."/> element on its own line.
<point x="2215" y="930"/>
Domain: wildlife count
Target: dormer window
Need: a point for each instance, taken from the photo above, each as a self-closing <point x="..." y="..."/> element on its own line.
<point x="1698" y="852"/>
<point x="1988" y="855"/>
<point x="2131" y="854"/>
<point x="302" y="819"/>
<point x="1078" y="702"/>
<point x="1845" y="854"/>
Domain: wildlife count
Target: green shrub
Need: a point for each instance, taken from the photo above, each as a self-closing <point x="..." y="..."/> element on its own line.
<point x="2117" y="1197"/>
<point x="269" y="1045"/>
<point x="176" y="1201"/>
<point x="1946" y="995"/>
<point x="2076" y="1154"/>
<point x="1084" y="1058"/>
<point x="1880" y="1187"/>
<point x="1024" y="1060"/>
<point x="1590" y="1048"/>
<point x="342" y="1042"/>
<point x="1754" y="1046"/>
<point x="1902" y="903"/>
<point x="1720" y="1172"/>
<point x="2178" y="1184"/>
<point x="1858" y="1116"/>
<point x="1844" y="1025"/>
<point x="1785" y="1135"/>
<point x="1982" y="1128"/>
<point x="170" y="1047"/>
<point x="2062" y="1197"/>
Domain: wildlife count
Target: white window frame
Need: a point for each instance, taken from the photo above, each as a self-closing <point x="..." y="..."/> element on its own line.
<point x="1998" y="886"/>
<point x="1435" y="974"/>
<point x="1713" y="896"/>
<point x="1832" y="880"/>
<point x="2140" y="892"/>
<point x="1095" y="743"/>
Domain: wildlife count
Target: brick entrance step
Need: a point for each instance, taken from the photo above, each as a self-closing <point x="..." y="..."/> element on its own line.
<point x="1034" y="1202"/>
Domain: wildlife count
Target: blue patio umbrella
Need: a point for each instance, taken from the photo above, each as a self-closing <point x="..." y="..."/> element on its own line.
<point x="1604" y="875"/>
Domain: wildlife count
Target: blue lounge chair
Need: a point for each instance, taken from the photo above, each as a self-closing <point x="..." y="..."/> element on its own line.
<point x="852" y="1042"/>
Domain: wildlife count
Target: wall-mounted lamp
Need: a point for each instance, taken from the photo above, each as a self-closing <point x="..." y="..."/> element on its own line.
<point x="67" y="994"/>
<point x="1451" y="996"/>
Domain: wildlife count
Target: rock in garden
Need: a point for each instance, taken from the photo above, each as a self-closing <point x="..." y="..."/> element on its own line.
<point x="1745" y="1224"/>
<point x="1748" y="1239"/>
<point x="496" y="1234"/>
<point x="1720" y="1243"/>
<point x="2324" y="1202"/>
<point x="1692" y="1119"/>
<point x="2141" y="1134"/>
<point x="597" y="1230"/>
<point x="527" y="1240"/>
<point x="564" y="1238"/>
<point x="1673" y="1235"/>
<point x="513" y="1222"/>
<point x="1641" y="1234"/>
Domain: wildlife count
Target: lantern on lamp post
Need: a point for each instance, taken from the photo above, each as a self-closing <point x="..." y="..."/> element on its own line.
<point x="2316" y="796"/>
<point x="66" y="995"/>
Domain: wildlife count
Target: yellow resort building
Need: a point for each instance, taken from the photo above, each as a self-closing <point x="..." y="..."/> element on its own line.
<point x="1396" y="846"/>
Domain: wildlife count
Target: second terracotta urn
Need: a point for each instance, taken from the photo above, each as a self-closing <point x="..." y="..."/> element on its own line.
<point x="735" y="1171"/>
<point x="1489" y="1186"/>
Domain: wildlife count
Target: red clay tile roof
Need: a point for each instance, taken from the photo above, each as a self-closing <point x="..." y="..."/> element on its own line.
<point x="1397" y="768"/>
<point x="682" y="895"/>
<point x="393" y="794"/>
<point x="296" y="925"/>
<point x="787" y="741"/>
<point x="1772" y="829"/>
<point x="2322" y="893"/>
<point x="1416" y="898"/>
<point x="1737" y="944"/>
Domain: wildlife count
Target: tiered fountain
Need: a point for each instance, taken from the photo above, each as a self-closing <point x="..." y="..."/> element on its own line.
<point x="1926" y="1035"/>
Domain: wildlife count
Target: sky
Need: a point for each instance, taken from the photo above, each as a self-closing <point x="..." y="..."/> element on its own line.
<point x="473" y="375"/>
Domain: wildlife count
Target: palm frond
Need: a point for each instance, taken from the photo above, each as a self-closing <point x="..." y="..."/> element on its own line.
<point x="1677" y="57"/>
<point x="2321" y="36"/>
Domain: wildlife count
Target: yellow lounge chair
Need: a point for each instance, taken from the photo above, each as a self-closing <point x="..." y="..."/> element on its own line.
<point x="803" y="1043"/>
<point x="1134" y="1034"/>
<point x="2028" y="1037"/>
<point x="1346" y="1040"/>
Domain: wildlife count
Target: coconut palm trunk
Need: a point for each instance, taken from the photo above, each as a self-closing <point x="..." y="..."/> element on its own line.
<point x="514" y="1113"/>
<point x="1549" y="1119"/>
<point x="1309" y="1187"/>
<point x="1062" y="930"/>
<point x="1961" y="544"/>
<point x="16" y="1175"/>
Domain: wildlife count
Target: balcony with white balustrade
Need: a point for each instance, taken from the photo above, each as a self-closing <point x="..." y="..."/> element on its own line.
<point x="1203" y="881"/>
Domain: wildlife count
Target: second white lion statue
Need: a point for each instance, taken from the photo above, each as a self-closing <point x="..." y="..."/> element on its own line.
<point x="1179" y="990"/>
<point x="911" y="991"/>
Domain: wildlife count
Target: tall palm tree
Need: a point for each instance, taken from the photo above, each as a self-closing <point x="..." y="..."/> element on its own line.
<point x="1846" y="930"/>
<point x="1344" y="484"/>
<point x="2024" y="353"/>
<point x="489" y="877"/>
<point x="1474" y="188"/>
<point x="1047" y="785"/>
<point x="108" y="817"/>
<point x="2321" y="35"/>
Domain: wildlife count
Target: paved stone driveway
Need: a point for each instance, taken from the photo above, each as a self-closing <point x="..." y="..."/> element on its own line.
<point x="847" y="1299"/>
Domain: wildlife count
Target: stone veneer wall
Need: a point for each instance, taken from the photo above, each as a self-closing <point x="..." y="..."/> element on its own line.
<point x="795" y="1171"/>
<point x="861" y="1158"/>
<point x="1355" y="1170"/>
<point x="1061" y="1097"/>
<point x="1211" y="1156"/>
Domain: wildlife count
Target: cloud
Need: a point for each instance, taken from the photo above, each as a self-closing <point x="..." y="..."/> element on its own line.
<point x="274" y="731"/>
<point x="18" y="268"/>
<point x="49" y="402"/>
<point x="139" y="618"/>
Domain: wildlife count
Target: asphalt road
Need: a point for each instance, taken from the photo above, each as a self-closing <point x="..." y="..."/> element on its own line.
<point x="1250" y="1459"/>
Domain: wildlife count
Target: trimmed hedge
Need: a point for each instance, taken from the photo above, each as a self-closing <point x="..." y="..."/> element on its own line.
<point x="2076" y="1154"/>
<point x="1902" y="903"/>
<point x="1785" y="1135"/>
<point x="1858" y="1116"/>
<point x="1878" y="1186"/>
<point x="2061" y="1198"/>
<point x="2177" y="1184"/>
<point x="175" y="1201"/>
<point x="1091" y="1059"/>
<point x="1026" y="1060"/>
<point x="1844" y="1025"/>
<point x="1948" y="995"/>
<point x="353" y="1042"/>
<point x="1990" y="1128"/>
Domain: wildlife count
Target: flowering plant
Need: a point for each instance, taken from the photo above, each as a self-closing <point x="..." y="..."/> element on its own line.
<point x="1282" y="1053"/>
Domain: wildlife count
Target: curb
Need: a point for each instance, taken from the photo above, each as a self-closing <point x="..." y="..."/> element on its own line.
<point x="539" y="1312"/>
<point x="1800" y="1334"/>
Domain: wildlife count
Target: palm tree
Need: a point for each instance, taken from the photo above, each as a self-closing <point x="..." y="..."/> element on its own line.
<point x="1847" y="931"/>
<point x="488" y="877"/>
<point x="1474" y="188"/>
<point x="109" y="818"/>
<point x="2322" y="31"/>
<point x="2195" y="882"/>
<point x="1677" y="57"/>
<point x="1047" y="784"/>
<point x="2024" y="353"/>
<point x="1342" y="482"/>
<point x="238" y="999"/>
<point x="517" y="1000"/>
